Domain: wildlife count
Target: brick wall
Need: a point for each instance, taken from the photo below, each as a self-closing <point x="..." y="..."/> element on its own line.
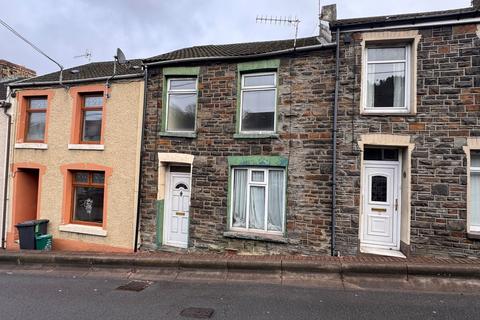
<point x="448" y="111"/>
<point x="10" y="70"/>
<point x="306" y="85"/>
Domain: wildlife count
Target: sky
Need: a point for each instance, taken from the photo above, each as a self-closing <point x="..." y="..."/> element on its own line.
<point x="143" y="28"/>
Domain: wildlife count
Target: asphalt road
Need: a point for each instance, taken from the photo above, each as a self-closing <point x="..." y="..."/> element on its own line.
<point x="68" y="296"/>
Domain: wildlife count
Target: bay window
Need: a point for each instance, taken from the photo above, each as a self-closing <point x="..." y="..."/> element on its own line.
<point x="258" y="199"/>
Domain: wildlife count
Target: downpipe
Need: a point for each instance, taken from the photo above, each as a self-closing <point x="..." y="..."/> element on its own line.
<point x="334" y="146"/>
<point x="5" y="106"/>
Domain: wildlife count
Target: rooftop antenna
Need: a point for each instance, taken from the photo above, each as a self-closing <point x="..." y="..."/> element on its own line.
<point x="119" y="58"/>
<point x="282" y="21"/>
<point x="87" y="55"/>
<point x="9" y="28"/>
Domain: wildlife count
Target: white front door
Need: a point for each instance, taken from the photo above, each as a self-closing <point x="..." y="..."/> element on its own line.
<point x="381" y="215"/>
<point x="177" y="210"/>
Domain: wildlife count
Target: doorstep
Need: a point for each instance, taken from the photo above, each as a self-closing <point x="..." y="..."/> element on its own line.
<point x="382" y="252"/>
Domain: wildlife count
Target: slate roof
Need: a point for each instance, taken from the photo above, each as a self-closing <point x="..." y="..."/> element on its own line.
<point x="233" y="49"/>
<point x="88" y="71"/>
<point x="407" y="18"/>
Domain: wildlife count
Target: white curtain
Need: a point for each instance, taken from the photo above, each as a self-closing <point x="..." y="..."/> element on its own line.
<point x="399" y="85"/>
<point x="275" y="200"/>
<point x="257" y="208"/>
<point x="240" y="198"/>
<point x="475" y="196"/>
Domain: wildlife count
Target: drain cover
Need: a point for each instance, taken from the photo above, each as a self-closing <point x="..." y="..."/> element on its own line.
<point x="135" y="286"/>
<point x="198" y="313"/>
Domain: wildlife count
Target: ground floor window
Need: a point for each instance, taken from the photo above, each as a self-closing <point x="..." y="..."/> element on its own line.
<point x="88" y="197"/>
<point x="258" y="199"/>
<point x="475" y="190"/>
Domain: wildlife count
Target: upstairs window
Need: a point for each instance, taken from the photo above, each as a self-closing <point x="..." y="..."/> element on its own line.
<point x="258" y="102"/>
<point x="181" y="104"/>
<point x="475" y="191"/>
<point x="387" y="74"/>
<point x="92" y="114"/>
<point x="36" y="114"/>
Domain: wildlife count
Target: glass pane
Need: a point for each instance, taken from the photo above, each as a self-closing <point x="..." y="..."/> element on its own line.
<point x="258" y="176"/>
<point x="475" y="196"/>
<point x="181" y="112"/>
<point x="258" y="110"/>
<point x="36" y="126"/>
<point x="386" y="85"/>
<point x="181" y="186"/>
<point x="275" y="200"/>
<point x="38" y="103"/>
<point x="180" y="169"/>
<point x="259" y="80"/>
<point x="379" y="189"/>
<point x="475" y="159"/>
<point x="372" y="154"/>
<point x="81" y="177"/>
<point x="88" y="204"/>
<point x="390" y="154"/>
<point x="386" y="54"/>
<point x="257" y="208"/>
<point x="93" y="101"/>
<point x="239" y="198"/>
<point x="98" y="178"/>
<point x="92" y="126"/>
<point x="183" y="84"/>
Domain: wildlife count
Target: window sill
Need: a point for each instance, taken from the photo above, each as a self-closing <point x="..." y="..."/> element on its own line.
<point x="255" y="236"/>
<point x="397" y="112"/>
<point x="192" y="135"/>
<point x="473" y="235"/>
<point x="86" y="146"/>
<point x="31" y="145"/>
<point x="77" y="228"/>
<point x="255" y="136"/>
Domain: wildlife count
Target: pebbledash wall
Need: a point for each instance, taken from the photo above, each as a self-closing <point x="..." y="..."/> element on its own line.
<point x="123" y="113"/>
<point x="305" y="99"/>
<point x="447" y="115"/>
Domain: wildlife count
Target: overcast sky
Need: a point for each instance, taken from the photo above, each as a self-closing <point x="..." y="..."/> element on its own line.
<point x="144" y="28"/>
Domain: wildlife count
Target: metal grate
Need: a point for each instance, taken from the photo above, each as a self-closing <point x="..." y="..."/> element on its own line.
<point x="198" y="313"/>
<point x="135" y="286"/>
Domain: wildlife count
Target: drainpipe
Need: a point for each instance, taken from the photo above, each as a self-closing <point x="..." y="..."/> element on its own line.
<point x="142" y="146"/>
<point x="334" y="143"/>
<point x="6" y="105"/>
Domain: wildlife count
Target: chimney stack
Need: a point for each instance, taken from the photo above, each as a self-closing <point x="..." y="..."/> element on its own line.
<point x="328" y="14"/>
<point x="476" y="4"/>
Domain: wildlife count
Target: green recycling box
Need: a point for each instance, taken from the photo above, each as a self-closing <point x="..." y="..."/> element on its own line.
<point x="43" y="242"/>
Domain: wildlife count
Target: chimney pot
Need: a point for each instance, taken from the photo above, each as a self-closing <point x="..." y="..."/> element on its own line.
<point x="329" y="13"/>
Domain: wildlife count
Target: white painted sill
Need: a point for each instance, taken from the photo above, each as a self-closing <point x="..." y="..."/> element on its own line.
<point x="31" y="145"/>
<point x="77" y="228"/>
<point x="95" y="147"/>
<point x="386" y="112"/>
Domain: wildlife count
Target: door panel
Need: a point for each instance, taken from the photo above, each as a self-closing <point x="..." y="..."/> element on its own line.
<point x="381" y="224"/>
<point x="178" y="207"/>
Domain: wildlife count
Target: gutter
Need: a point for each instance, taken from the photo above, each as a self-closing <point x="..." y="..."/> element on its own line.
<point x="142" y="146"/>
<point x="364" y="26"/>
<point x="49" y="83"/>
<point x="334" y="145"/>
<point x="259" y="55"/>
<point x="6" y="105"/>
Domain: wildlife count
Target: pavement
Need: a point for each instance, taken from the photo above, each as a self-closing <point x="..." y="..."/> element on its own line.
<point x="362" y="272"/>
<point x="67" y="293"/>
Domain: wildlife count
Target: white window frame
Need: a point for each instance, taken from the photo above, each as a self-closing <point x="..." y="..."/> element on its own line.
<point x="408" y="78"/>
<point x="180" y="91"/>
<point x="472" y="228"/>
<point x="258" y="88"/>
<point x="251" y="183"/>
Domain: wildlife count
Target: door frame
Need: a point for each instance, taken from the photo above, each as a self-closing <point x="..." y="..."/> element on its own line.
<point x="397" y="213"/>
<point x="166" y="224"/>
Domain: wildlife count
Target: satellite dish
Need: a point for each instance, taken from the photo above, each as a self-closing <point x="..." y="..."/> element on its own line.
<point x="120" y="56"/>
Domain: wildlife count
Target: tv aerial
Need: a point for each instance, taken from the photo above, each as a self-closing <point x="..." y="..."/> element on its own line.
<point x="294" y="22"/>
<point x="87" y="55"/>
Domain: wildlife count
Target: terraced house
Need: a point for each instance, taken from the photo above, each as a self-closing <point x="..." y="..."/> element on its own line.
<point x="75" y="155"/>
<point x="363" y="144"/>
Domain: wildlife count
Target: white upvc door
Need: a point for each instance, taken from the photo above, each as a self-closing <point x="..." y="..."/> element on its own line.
<point x="177" y="210"/>
<point x="381" y="205"/>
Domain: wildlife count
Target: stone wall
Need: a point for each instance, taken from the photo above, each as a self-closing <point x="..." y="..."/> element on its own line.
<point x="448" y="111"/>
<point x="10" y="70"/>
<point x="306" y="86"/>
